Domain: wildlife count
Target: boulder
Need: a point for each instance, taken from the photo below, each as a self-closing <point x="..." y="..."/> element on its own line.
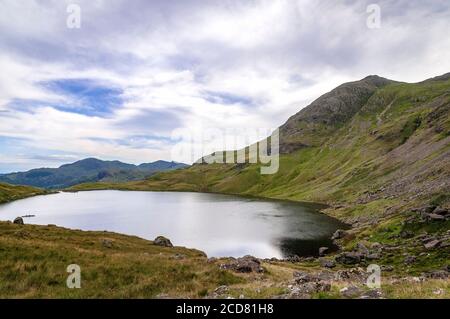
<point x="361" y="248"/>
<point x="301" y="277"/>
<point x="162" y="241"/>
<point x="435" y="217"/>
<point x="244" y="264"/>
<point x="432" y="244"/>
<point x="18" y="221"/>
<point x="323" y="251"/>
<point x="349" y="258"/>
<point x="339" y="234"/>
<point x="441" y="211"/>
<point x="327" y="263"/>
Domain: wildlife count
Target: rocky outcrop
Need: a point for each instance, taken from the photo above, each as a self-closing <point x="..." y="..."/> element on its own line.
<point x="162" y="241"/>
<point x="18" y="221"/>
<point x="244" y="264"/>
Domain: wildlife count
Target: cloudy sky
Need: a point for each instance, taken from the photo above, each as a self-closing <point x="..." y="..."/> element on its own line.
<point x="137" y="71"/>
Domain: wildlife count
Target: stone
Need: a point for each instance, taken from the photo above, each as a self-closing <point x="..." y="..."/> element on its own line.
<point x="323" y="251"/>
<point x="293" y="259"/>
<point x="302" y="277"/>
<point x="376" y="246"/>
<point x="18" y="221"/>
<point x="313" y="287"/>
<point x="441" y="211"/>
<point x="437" y="274"/>
<point x="327" y="263"/>
<point x="373" y="256"/>
<point x="351" y="292"/>
<point x="432" y="244"/>
<point x="349" y="258"/>
<point x="244" y="264"/>
<point x="162" y="241"/>
<point x="372" y="294"/>
<point x="360" y="247"/>
<point x="410" y="260"/>
<point x="435" y="217"/>
<point x="339" y="234"/>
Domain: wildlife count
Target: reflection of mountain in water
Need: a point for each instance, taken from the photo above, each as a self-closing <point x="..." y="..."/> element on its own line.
<point x="304" y="247"/>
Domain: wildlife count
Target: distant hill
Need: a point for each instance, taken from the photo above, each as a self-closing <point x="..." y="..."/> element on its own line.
<point x="87" y="170"/>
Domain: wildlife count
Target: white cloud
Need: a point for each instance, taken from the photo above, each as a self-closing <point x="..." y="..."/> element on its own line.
<point x="270" y="58"/>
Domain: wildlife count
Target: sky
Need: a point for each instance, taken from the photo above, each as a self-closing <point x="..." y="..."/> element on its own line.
<point x="138" y="74"/>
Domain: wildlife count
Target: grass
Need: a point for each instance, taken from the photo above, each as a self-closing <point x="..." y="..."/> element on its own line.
<point x="33" y="262"/>
<point x="10" y="193"/>
<point x="34" y="259"/>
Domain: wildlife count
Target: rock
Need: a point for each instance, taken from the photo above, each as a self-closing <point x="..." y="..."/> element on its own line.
<point x="323" y="251"/>
<point x="162" y="241"/>
<point x="376" y="246"/>
<point x="244" y="264"/>
<point x="18" y="221"/>
<point x="428" y="209"/>
<point x="432" y="244"/>
<point x="373" y="256"/>
<point x="437" y="274"/>
<point x="410" y="260"/>
<point x="211" y="260"/>
<point x="349" y="258"/>
<point x="293" y="259"/>
<point x="221" y="290"/>
<point x="107" y="243"/>
<point x="313" y="287"/>
<point x="301" y="277"/>
<point x="354" y="274"/>
<point x="361" y="248"/>
<point x="351" y="292"/>
<point x="327" y="263"/>
<point x="434" y="217"/>
<point x="441" y="211"/>
<point x="372" y="294"/>
<point x="339" y="234"/>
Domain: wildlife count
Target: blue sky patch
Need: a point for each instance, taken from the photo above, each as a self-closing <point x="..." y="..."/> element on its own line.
<point x="87" y="97"/>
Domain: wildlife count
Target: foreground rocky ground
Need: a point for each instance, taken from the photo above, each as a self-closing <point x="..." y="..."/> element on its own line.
<point x="34" y="260"/>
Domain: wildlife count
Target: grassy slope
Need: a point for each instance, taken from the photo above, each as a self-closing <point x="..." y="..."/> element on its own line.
<point x="34" y="261"/>
<point x="9" y="192"/>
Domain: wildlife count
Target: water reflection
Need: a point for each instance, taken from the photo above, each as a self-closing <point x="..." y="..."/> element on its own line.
<point x="220" y="225"/>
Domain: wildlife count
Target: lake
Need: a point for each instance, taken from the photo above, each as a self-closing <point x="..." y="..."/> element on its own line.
<point x="220" y="225"/>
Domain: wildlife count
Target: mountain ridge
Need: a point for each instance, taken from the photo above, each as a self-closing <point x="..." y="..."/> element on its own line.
<point x="87" y="170"/>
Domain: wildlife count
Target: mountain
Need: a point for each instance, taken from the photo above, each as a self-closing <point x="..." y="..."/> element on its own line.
<point x="87" y="170"/>
<point x="375" y="150"/>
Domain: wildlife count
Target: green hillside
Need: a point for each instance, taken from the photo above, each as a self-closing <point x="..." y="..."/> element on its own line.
<point x="9" y="193"/>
